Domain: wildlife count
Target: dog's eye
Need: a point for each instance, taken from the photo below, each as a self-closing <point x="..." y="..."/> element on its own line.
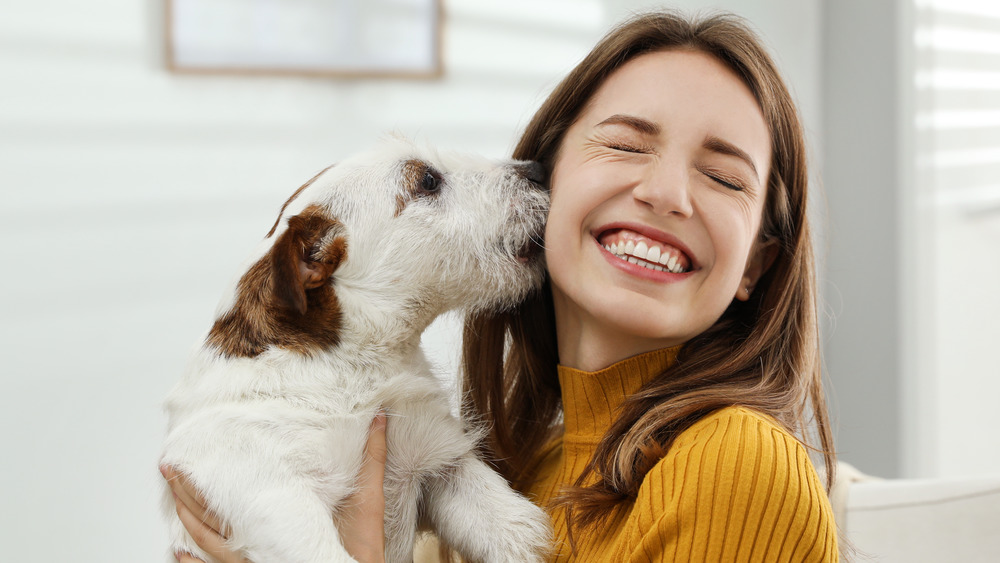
<point x="431" y="182"/>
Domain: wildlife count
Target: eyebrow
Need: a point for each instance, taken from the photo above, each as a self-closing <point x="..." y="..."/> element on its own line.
<point x="716" y="144"/>
<point x="644" y="126"/>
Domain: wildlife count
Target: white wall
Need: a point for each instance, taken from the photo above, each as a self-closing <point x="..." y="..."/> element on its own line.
<point x="861" y="85"/>
<point x="957" y="150"/>
<point x="913" y="264"/>
<point x="130" y="196"/>
<point x="791" y="29"/>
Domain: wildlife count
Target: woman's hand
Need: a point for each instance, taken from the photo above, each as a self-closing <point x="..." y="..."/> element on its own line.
<point x="362" y="526"/>
<point x="362" y="529"/>
<point x="205" y="528"/>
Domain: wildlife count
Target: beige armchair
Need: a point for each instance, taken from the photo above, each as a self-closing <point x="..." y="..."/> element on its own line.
<point x="919" y="520"/>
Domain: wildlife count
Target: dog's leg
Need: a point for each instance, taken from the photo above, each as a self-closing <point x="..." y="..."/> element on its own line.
<point x="402" y="495"/>
<point x="294" y="526"/>
<point x="275" y="521"/>
<point x="411" y="454"/>
<point x="476" y="512"/>
<point x="272" y="480"/>
<point x="471" y="506"/>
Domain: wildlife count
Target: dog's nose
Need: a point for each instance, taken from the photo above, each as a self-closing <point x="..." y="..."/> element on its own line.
<point x="532" y="171"/>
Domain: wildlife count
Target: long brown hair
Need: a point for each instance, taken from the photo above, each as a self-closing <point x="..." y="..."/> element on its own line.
<point x="762" y="353"/>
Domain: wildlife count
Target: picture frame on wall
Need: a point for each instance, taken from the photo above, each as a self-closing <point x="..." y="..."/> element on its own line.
<point x="338" y="38"/>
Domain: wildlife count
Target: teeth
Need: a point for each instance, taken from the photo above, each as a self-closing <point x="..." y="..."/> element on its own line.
<point x="642" y="255"/>
<point x="640" y="251"/>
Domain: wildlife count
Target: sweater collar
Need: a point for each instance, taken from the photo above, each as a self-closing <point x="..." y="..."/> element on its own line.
<point x="591" y="398"/>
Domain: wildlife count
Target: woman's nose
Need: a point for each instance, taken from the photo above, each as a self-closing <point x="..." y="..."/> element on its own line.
<point x="666" y="191"/>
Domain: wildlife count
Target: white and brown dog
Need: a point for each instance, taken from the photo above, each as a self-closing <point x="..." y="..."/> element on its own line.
<point x="270" y="420"/>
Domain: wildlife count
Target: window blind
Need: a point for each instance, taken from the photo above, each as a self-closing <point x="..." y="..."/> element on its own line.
<point x="958" y="103"/>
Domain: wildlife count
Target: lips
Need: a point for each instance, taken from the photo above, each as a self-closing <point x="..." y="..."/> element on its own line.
<point x="649" y="249"/>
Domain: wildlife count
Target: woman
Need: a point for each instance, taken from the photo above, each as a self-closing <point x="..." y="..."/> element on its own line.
<point x="650" y="396"/>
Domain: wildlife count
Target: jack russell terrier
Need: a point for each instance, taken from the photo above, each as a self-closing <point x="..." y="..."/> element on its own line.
<point x="271" y="417"/>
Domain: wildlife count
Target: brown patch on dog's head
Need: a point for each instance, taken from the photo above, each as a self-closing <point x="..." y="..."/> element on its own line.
<point x="419" y="180"/>
<point x="285" y="299"/>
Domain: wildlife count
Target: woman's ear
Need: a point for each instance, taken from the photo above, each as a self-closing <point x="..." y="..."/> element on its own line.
<point x="762" y="255"/>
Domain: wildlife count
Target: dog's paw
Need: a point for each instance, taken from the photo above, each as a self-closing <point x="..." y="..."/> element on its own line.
<point x="474" y="510"/>
<point x="524" y="531"/>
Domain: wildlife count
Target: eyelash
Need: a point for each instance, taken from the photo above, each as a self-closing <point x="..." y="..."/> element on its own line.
<point x="723" y="180"/>
<point x="624" y="147"/>
<point x="724" y="183"/>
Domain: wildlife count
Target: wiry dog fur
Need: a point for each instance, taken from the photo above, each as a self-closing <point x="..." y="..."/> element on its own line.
<point x="270" y="420"/>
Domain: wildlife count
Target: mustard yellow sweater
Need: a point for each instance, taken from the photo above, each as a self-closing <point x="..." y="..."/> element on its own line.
<point x="735" y="486"/>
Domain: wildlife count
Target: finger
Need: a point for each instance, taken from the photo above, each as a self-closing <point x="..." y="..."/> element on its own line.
<point x="375" y="448"/>
<point x="186" y="494"/>
<point x="363" y="525"/>
<point x="184" y="491"/>
<point x="187" y="558"/>
<point x="206" y="538"/>
<point x="370" y="497"/>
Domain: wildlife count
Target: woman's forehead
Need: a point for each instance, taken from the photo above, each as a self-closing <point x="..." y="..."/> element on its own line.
<point x="683" y="92"/>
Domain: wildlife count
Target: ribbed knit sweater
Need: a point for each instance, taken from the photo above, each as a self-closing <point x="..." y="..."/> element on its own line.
<point x="735" y="486"/>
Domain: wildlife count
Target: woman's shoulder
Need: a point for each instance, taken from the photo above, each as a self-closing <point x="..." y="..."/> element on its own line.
<point x="735" y="443"/>
<point x="737" y="482"/>
<point x="735" y="429"/>
<point x="729" y="420"/>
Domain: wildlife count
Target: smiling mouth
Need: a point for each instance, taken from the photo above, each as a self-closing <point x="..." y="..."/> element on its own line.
<point x="643" y="251"/>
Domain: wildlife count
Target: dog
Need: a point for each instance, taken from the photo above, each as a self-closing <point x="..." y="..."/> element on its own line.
<point x="270" y="419"/>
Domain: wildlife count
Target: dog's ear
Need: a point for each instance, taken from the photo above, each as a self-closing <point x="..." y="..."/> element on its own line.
<point x="305" y="256"/>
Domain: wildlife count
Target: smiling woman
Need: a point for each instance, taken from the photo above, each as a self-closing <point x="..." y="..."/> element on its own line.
<point x="659" y="387"/>
<point x="654" y="395"/>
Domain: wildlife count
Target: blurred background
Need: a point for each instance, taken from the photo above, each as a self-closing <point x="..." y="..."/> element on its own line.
<point x="131" y="194"/>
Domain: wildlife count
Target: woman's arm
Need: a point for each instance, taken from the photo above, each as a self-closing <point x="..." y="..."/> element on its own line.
<point x="362" y="532"/>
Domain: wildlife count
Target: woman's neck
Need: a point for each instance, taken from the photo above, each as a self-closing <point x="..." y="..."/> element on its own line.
<point x="589" y="344"/>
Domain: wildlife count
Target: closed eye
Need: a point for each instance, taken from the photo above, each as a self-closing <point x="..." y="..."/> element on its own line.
<point x="725" y="183"/>
<point x="624" y="147"/>
<point x="725" y="180"/>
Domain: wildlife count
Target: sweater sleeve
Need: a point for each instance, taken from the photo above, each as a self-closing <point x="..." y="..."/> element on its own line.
<point x="734" y="487"/>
